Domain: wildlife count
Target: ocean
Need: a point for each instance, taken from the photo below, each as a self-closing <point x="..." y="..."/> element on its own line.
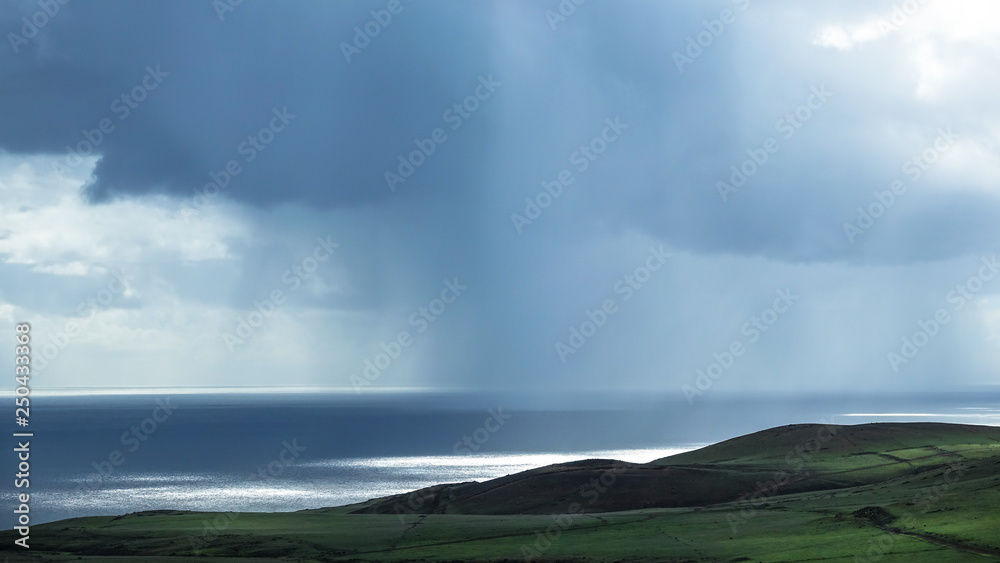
<point x="97" y="454"/>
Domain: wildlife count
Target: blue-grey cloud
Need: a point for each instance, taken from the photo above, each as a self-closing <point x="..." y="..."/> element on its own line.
<point x="838" y="117"/>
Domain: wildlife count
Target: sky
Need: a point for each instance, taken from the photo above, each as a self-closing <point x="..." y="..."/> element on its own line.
<point x="670" y="198"/>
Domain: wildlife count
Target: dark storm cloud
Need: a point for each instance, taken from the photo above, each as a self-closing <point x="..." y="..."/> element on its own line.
<point x="353" y="120"/>
<point x="223" y="80"/>
<point x="656" y="183"/>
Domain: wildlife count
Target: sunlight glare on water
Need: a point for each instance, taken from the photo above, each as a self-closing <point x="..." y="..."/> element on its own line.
<point x="313" y="484"/>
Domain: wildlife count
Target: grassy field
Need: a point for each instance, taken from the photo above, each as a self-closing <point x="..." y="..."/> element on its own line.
<point x="886" y="492"/>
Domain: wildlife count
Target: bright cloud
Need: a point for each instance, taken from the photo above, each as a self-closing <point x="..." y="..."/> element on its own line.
<point x="933" y="34"/>
<point x="47" y="223"/>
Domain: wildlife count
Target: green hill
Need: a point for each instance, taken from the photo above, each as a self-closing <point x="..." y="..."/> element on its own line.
<point x="810" y="457"/>
<point x="872" y="492"/>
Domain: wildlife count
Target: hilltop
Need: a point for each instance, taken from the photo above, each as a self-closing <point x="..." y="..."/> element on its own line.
<point x="790" y="459"/>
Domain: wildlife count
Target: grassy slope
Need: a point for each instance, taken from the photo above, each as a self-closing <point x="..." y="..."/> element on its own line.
<point x="940" y="482"/>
